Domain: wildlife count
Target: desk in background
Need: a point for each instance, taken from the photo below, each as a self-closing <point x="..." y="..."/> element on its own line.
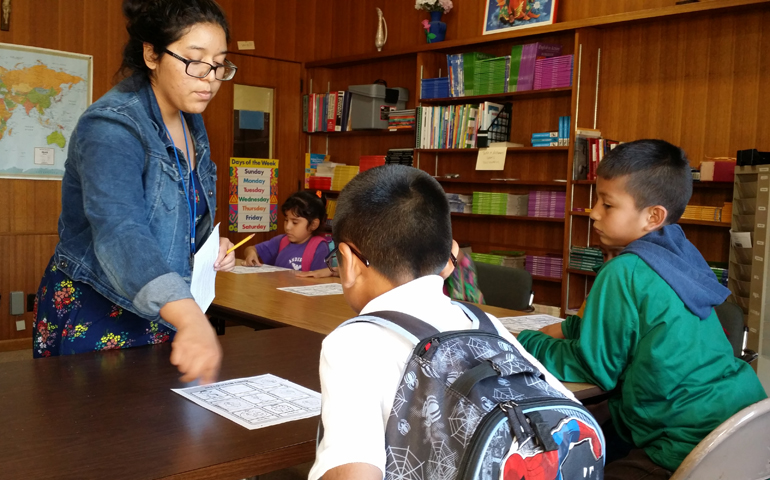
<point x="253" y="299"/>
<point x="113" y="415"/>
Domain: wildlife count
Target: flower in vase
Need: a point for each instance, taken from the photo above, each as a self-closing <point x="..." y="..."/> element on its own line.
<point x="428" y="36"/>
<point x="443" y="6"/>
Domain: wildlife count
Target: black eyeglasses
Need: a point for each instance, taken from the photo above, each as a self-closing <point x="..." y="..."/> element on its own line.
<point x="331" y="259"/>
<point x="200" y="69"/>
<point x="453" y="258"/>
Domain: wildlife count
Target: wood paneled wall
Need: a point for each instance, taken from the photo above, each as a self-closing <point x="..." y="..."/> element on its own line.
<point x="29" y="210"/>
<point x="307" y="30"/>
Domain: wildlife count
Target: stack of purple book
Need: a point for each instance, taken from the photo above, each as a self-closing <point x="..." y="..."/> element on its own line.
<point x="544" y="266"/>
<point x="554" y="72"/>
<point x="546" y="204"/>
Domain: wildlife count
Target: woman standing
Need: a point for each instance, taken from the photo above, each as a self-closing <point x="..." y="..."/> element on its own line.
<point x="138" y="197"/>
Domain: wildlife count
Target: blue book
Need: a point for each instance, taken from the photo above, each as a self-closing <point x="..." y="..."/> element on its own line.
<point x="555" y="143"/>
<point x="545" y="135"/>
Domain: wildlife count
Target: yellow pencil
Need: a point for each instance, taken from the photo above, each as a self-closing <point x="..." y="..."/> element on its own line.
<point x="241" y="243"/>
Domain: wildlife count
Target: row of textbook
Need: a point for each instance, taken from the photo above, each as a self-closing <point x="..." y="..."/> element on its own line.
<point x="534" y="204"/>
<point x="558" y="138"/>
<point x="590" y="149"/>
<point x="531" y="66"/>
<point x="326" y="112"/>
<point x="457" y="126"/>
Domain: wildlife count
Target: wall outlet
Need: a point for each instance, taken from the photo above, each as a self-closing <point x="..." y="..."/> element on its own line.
<point x="17" y="303"/>
<point x="20" y="325"/>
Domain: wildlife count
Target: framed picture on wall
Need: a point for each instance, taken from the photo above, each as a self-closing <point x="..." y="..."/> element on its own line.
<point x="506" y="15"/>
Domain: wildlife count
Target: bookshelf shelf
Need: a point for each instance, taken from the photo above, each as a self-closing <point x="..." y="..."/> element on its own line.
<point x="510" y="217"/>
<point x="551" y="92"/>
<point x="476" y="150"/>
<point x="577" y="271"/>
<point x="603" y="21"/>
<point x="682" y="221"/>
<point x="707" y="223"/>
<point x="541" y="278"/>
<point x="534" y="183"/>
<point x="695" y="185"/>
<point x="359" y="133"/>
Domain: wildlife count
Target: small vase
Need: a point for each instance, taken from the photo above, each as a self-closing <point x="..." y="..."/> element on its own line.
<point x="437" y="27"/>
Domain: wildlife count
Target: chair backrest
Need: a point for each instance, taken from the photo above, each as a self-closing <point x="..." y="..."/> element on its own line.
<point x="736" y="449"/>
<point x="731" y="317"/>
<point x="504" y="287"/>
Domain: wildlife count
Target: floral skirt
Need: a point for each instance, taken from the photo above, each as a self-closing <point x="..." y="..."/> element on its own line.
<point x="71" y="317"/>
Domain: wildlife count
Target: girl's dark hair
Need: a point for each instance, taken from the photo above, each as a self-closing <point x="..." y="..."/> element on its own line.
<point x="307" y="205"/>
<point x="161" y="23"/>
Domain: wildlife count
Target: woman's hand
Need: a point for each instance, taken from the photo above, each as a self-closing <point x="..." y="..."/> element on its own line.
<point x="225" y="261"/>
<point x="323" y="273"/>
<point x="252" y="259"/>
<point x="195" y="350"/>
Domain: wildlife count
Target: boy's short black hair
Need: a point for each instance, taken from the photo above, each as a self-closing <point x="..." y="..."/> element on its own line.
<point x="658" y="174"/>
<point x="398" y="218"/>
<point x="308" y="206"/>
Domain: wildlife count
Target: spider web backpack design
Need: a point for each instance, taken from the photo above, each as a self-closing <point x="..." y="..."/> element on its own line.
<point x="471" y="406"/>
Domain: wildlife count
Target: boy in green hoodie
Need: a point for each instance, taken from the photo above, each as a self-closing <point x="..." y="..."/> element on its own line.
<point x="649" y="333"/>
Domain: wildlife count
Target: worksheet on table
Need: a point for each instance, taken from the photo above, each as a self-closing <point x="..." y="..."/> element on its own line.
<point x="528" y="322"/>
<point x="256" y="402"/>
<point x="316" y="290"/>
<point x="261" y="269"/>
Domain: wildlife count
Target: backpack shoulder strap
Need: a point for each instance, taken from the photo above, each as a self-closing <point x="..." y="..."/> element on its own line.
<point x="409" y="327"/>
<point x="480" y="319"/>
<point x="309" y="253"/>
<point x="284" y="243"/>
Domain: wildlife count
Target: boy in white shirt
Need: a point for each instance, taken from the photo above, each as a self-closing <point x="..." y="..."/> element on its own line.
<point x="393" y="234"/>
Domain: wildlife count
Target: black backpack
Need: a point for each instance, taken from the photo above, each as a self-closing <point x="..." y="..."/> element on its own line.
<point x="470" y="406"/>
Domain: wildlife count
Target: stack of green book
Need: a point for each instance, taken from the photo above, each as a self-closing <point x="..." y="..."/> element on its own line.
<point x="468" y="71"/>
<point x="487" y="258"/>
<point x="490" y="76"/>
<point x="585" y="258"/>
<point x="488" y="203"/>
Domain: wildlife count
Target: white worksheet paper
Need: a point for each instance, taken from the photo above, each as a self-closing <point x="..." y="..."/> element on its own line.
<point x="256" y="402"/>
<point x="262" y="269"/>
<point x="316" y="290"/>
<point x="528" y="322"/>
<point x="204" y="276"/>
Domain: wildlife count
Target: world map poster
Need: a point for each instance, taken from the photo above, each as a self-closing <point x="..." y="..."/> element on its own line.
<point x="42" y="95"/>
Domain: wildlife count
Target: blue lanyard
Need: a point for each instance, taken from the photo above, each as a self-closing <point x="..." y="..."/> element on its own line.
<point x="194" y="209"/>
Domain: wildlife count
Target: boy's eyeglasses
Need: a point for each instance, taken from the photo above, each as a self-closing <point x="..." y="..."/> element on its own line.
<point x="200" y="69"/>
<point x="453" y="258"/>
<point x="331" y="259"/>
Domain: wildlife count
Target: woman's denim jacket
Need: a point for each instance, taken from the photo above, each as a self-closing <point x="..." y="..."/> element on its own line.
<point x="125" y="222"/>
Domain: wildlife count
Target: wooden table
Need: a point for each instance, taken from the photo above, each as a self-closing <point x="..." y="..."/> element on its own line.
<point x="253" y="299"/>
<point x="113" y="414"/>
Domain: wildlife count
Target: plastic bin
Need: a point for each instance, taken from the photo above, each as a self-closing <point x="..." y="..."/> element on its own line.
<point x="371" y="105"/>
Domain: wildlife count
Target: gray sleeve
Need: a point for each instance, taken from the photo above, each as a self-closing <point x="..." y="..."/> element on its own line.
<point x="160" y="291"/>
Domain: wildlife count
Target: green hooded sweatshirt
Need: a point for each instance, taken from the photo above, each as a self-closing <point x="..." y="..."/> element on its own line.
<point x="675" y="374"/>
